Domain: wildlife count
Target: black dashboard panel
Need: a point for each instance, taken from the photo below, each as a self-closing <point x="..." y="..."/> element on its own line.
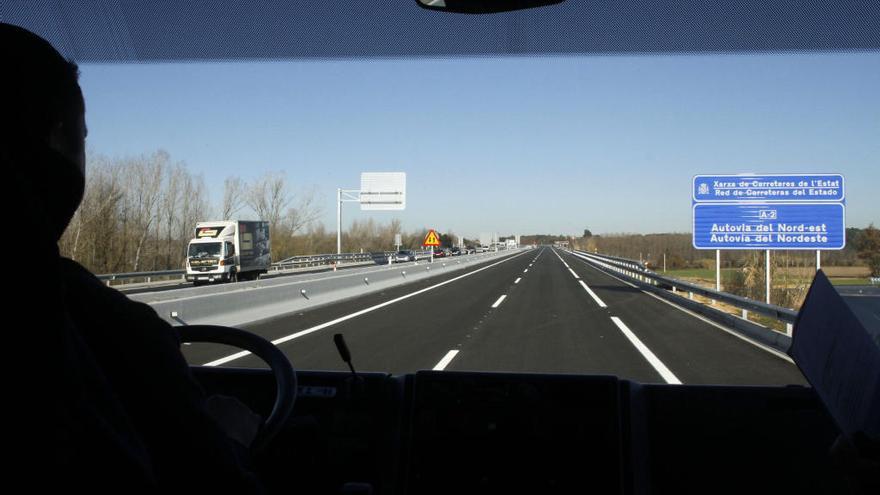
<point x="455" y="432"/>
<point x="343" y="429"/>
<point x="499" y="433"/>
<point x="712" y="439"/>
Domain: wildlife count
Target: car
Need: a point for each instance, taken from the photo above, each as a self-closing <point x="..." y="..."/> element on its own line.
<point x="439" y="253"/>
<point x="404" y="255"/>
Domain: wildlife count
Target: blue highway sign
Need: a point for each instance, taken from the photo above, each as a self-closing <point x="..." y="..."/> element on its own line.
<point x="769" y="226"/>
<point x="768" y="188"/>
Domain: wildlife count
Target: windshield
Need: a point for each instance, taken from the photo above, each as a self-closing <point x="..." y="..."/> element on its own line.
<point x="204" y="249"/>
<point x="593" y="212"/>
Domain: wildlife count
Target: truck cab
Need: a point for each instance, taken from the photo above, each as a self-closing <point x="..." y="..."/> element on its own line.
<point x="228" y="251"/>
<point x="211" y="253"/>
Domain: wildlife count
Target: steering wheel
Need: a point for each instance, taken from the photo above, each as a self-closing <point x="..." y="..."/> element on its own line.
<point x="285" y="375"/>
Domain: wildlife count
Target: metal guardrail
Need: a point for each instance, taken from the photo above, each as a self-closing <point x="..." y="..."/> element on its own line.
<point x="639" y="272"/>
<point x="145" y="275"/>
<point x="287" y="263"/>
<point x="326" y="259"/>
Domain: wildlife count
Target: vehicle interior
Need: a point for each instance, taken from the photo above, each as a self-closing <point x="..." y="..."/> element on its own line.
<point x="442" y="432"/>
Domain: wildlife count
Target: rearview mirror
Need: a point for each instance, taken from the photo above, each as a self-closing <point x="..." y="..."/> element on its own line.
<point x="483" y="6"/>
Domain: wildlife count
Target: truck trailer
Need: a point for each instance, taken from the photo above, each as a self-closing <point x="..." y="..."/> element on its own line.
<point x="228" y="251"/>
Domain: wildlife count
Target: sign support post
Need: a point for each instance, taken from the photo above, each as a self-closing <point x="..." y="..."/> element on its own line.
<point x="379" y="191"/>
<point x="338" y="223"/>
<point x="767" y="277"/>
<point x="431" y="241"/>
<point x="342" y="196"/>
<point x="818" y="260"/>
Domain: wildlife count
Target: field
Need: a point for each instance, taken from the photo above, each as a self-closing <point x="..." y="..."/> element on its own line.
<point x="839" y="275"/>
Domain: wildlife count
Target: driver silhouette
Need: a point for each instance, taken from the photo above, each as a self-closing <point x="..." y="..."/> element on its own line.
<point x="112" y="405"/>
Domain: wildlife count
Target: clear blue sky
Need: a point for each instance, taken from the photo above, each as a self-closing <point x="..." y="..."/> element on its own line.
<point x="511" y="145"/>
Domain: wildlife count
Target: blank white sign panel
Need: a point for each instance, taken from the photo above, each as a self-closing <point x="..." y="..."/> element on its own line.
<point x="383" y="191"/>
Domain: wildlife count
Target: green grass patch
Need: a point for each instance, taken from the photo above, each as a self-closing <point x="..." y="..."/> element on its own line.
<point x="768" y="322"/>
<point x="850" y="281"/>
<point x="701" y="273"/>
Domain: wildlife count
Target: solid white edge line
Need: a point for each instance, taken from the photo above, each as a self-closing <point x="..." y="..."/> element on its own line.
<point x="717" y="325"/>
<point x="648" y="355"/>
<point x="573" y="274"/>
<point x="593" y="295"/>
<point x="499" y="301"/>
<point x="586" y="262"/>
<point x="322" y="326"/>
<point x="517" y="280"/>
<point x="445" y="361"/>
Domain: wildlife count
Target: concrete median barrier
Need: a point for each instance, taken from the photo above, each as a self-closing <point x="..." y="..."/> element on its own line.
<point x="249" y="302"/>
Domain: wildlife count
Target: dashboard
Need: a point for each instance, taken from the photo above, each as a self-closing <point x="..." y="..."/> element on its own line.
<point x="459" y="432"/>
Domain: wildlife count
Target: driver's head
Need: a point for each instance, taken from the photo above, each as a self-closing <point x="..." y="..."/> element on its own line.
<point x="43" y="121"/>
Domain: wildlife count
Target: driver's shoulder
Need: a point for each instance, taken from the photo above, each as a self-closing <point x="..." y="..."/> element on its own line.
<point x="71" y="269"/>
<point x="79" y="279"/>
<point x="85" y="291"/>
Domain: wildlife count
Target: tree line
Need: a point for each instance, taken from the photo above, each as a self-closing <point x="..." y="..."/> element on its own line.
<point x="139" y="212"/>
<point x="861" y="248"/>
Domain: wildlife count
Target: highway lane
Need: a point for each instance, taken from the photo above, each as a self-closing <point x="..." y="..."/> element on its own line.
<point x="549" y="323"/>
<point x="864" y="301"/>
<point x="539" y="311"/>
<point x="405" y="336"/>
<point x="695" y="350"/>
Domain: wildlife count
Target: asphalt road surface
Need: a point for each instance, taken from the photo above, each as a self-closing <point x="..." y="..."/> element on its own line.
<point x="864" y="301"/>
<point x="543" y="310"/>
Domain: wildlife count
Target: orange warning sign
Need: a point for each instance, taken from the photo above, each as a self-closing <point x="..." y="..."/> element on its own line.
<point x="432" y="239"/>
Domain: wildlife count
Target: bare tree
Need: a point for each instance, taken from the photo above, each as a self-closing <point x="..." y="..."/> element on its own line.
<point x="269" y="198"/>
<point x="306" y="212"/>
<point x="100" y="202"/>
<point x="144" y="188"/>
<point x="171" y="199"/>
<point x="234" y="197"/>
<point x="193" y="208"/>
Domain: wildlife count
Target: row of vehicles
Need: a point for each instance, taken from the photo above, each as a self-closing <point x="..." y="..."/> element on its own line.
<point x="233" y="250"/>
<point x="405" y="255"/>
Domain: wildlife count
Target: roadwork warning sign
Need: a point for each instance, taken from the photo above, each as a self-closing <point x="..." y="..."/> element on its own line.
<point x="432" y="239"/>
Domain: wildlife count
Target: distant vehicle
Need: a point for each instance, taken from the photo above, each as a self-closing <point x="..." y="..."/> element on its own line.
<point x="382" y="258"/>
<point x="511" y="244"/>
<point x="228" y="251"/>
<point x="439" y="253"/>
<point x="456" y="251"/>
<point x="469" y="250"/>
<point x="404" y="255"/>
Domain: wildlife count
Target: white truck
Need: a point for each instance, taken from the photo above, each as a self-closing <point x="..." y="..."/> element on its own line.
<point x="228" y="251"/>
